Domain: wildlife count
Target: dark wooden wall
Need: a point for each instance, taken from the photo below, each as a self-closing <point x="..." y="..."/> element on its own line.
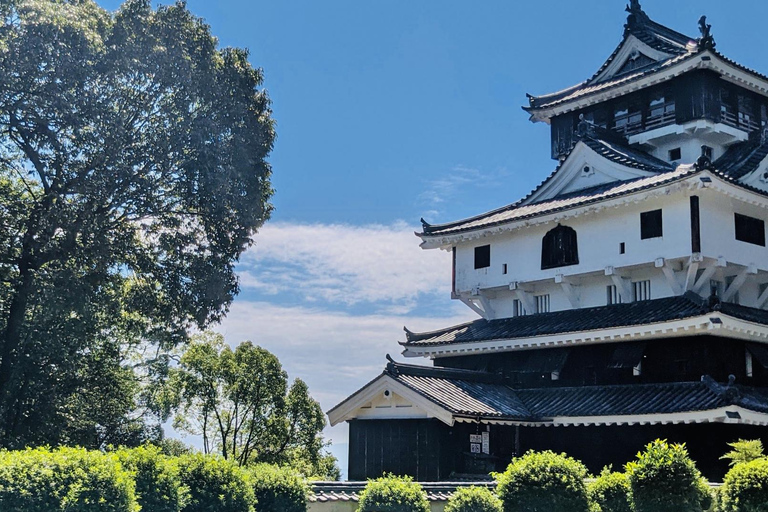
<point x="429" y="450"/>
<point x="402" y="447"/>
<point x="666" y="360"/>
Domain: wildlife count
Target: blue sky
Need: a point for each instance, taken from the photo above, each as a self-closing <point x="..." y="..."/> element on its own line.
<point x="388" y="111"/>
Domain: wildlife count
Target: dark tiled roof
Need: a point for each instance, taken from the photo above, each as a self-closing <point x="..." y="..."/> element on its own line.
<point x="324" y="492"/>
<point x="742" y="159"/>
<point x="578" y="320"/>
<point x="521" y="210"/>
<point x="653" y="34"/>
<point x="455" y="394"/>
<point x="587" y="88"/>
<point x="627" y="156"/>
<point x="462" y="392"/>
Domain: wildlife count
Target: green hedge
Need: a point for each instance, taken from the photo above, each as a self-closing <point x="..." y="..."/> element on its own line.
<point x="544" y="481"/>
<point x="158" y="484"/>
<point x="393" y="494"/>
<point x="279" y="489"/>
<point x="665" y="479"/>
<point x="745" y="487"/>
<point x="610" y="492"/>
<point x="473" y="499"/>
<point x="215" y="484"/>
<point x="70" y="479"/>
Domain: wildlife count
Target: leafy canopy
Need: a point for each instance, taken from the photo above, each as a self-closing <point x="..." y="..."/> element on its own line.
<point x="744" y="451"/>
<point x="133" y="174"/>
<point x="543" y="482"/>
<point x="392" y="493"/>
<point x="240" y="403"/>
<point x="665" y="479"/>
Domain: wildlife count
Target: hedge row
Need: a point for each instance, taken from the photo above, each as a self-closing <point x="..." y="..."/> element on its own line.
<point x="76" y="480"/>
<point x="662" y="479"/>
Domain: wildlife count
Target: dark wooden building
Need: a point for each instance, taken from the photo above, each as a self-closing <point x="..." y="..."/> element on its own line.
<point x="622" y="300"/>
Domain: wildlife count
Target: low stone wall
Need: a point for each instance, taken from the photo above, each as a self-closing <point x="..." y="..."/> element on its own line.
<point x="344" y="496"/>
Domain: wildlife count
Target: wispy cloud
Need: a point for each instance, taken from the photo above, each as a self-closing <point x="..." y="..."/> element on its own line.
<point x="327" y="265"/>
<point x="461" y="181"/>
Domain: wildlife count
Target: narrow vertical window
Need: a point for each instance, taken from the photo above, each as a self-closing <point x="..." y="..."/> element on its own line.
<point x="517" y="308"/>
<point x="482" y="256"/>
<point x="612" y="295"/>
<point x="749" y="364"/>
<point x="559" y="248"/>
<point x="504" y="268"/>
<point x="542" y="303"/>
<point x="642" y="290"/>
<point x="651" y="225"/>
<point x="622" y="248"/>
<point x="695" y="225"/>
<point x="453" y="271"/>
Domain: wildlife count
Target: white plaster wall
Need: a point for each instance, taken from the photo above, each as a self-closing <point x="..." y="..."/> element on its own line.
<point x="599" y="236"/>
<point x="718" y="232"/>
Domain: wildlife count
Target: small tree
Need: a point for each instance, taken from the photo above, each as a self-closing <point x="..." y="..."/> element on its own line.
<point x="473" y="499"/>
<point x="393" y="494"/>
<point x="158" y="485"/>
<point x="279" y="489"/>
<point x="216" y="484"/>
<point x="610" y="492"/>
<point x="744" y="451"/>
<point x="544" y="482"/>
<point x="745" y="487"/>
<point x="665" y="479"/>
<point x="240" y="403"/>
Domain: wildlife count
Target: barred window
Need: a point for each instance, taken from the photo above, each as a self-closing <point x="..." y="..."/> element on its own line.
<point x="559" y="248"/>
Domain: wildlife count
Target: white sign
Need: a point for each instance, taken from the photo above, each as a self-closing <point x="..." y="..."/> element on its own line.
<point x="486" y="442"/>
<point x="475" y="438"/>
<point x="474" y="447"/>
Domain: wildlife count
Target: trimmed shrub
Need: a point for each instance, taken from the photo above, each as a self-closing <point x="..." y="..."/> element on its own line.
<point x="610" y="492"/>
<point x="473" y="499"/>
<point x="665" y="479"/>
<point x="279" y="489"/>
<point x="215" y="484"/>
<point x="70" y="479"/>
<point x="745" y="487"/>
<point x="544" y="482"/>
<point x="393" y="494"/>
<point x="158" y="485"/>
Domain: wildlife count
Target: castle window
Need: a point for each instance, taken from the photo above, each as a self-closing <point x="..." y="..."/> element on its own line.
<point x="612" y="295"/>
<point x="517" y="308"/>
<point x="750" y="229"/>
<point x="675" y="154"/>
<point x="504" y="268"/>
<point x="622" y="248"/>
<point x="651" y="225"/>
<point x="707" y="151"/>
<point x="542" y="303"/>
<point x="559" y="248"/>
<point x="642" y="290"/>
<point x="482" y="256"/>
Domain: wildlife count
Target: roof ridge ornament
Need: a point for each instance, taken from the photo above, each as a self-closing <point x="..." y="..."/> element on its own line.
<point x="706" y="41"/>
<point x="636" y="15"/>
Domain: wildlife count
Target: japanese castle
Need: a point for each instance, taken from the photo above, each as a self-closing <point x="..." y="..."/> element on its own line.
<point x="622" y="300"/>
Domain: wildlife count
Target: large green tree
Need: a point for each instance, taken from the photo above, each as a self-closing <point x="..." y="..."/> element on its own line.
<point x="133" y="174"/>
<point x="240" y="403"/>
